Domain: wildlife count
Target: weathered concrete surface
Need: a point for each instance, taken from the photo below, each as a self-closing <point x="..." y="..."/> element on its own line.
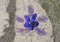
<point x="9" y="31"/>
<point x="52" y="8"/>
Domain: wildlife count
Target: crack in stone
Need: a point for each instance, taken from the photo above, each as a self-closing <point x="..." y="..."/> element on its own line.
<point x="9" y="32"/>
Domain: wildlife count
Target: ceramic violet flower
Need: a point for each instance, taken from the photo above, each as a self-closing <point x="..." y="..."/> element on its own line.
<point x="30" y="22"/>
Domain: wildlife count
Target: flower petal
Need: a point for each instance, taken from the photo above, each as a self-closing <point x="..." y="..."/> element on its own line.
<point x="27" y="17"/>
<point x="30" y="10"/>
<point x="26" y="24"/>
<point x="35" y="24"/>
<point x="42" y="19"/>
<point x="40" y="31"/>
<point x="31" y="28"/>
<point x="34" y="17"/>
<point x="19" y="19"/>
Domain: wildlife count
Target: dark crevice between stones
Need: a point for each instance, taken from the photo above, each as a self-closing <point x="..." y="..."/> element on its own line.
<point x="10" y="32"/>
<point x="52" y="8"/>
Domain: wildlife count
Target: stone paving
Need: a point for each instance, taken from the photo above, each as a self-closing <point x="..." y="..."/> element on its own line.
<point x="23" y="10"/>
<point x="11" y="8"/>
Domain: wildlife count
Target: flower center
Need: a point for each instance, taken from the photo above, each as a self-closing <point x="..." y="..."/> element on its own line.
<point x="31" y="23"/>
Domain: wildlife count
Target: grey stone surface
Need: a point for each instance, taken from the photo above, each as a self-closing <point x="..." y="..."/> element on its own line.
<point x="52" y="8"/>
<point x="9" y="32"/>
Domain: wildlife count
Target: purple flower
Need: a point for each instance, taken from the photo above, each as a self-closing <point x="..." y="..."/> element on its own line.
<point x="31" y="23"/>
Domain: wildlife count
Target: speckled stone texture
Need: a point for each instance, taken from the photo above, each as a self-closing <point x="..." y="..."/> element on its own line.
<point x="52" y="8"/>
<point x="9" y="31"/>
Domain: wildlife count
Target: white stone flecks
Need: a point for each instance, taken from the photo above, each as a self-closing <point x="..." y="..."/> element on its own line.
<point x="3" y="16"/>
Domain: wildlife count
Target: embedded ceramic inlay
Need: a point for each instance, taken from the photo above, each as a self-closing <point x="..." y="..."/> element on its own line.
<point x="26" y="35"/>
